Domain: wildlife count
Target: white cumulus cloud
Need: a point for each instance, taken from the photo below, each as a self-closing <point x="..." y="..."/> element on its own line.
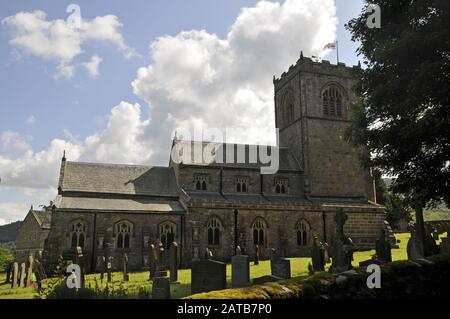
<point x="92" y="65"/>
<point x="59" y="41"/>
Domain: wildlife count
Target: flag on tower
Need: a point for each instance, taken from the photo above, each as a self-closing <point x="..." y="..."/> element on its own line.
<point x="331" y="45"/>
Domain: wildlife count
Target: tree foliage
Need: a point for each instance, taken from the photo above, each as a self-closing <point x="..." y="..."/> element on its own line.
<point x="403" y="118"/>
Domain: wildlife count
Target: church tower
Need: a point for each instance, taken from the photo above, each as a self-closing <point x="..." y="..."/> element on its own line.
<point x="312" y="111"/>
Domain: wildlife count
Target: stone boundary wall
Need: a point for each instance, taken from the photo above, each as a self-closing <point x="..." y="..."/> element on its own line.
<point x="426" y="278"/>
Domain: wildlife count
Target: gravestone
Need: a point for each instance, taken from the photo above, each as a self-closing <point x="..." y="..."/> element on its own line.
<point x="207" y="275"/>
<point x="273" y="253"/>
<point x="160" y="268"/>
<point x="256" y="256"/>
<point x="152" y="261"/>
<point x="8" y="273"/>
<point x="173" y="263"/>
<point x="326" y="253"/>
<point x="30" y="270"/>
<point x="15" y="275"/>
<point x="79" y="260"/>
<point x="383" y="248"/>
<point x="208" y="253"/>
<point x="430" y="244"/>
<point x="240" y="271"/>
<point x="280" y="267"/>
<point x="109" y="268"/>
<point x="414" y="247"/>
<point x="161" y="288"/>
<point x="23" y="271"/>
<point x="343" y="247"/>
<point x="264" y="279"/>
<point x="238" y="250"/>
<point x="39" y="273"/>
<point x="125" y="267"/>
<point x="103" y="267"/>
<point x="317" y="255"/>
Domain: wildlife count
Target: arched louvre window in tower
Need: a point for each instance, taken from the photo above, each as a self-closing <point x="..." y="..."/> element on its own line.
<point x="332" y="102"/>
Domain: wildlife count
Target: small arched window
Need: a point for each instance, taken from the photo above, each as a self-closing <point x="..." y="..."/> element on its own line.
<point x="123" y="230"/>
<point x="259" y="228"/>
<point x="77" y="234"/>
<point x="167" y="232"/>
<point x="214" y="226"/>
<point x="303" y="230"/>
<point x="332" y="102"/>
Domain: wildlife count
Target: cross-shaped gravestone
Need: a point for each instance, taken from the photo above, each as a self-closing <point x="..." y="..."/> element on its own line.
<point x="343" y="246"/>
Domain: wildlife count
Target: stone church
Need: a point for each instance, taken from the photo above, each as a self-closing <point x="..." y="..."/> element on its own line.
<point x="111" y="209"/>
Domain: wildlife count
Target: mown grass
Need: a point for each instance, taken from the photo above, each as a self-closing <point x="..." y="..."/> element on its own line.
<point x="139" y="280"/>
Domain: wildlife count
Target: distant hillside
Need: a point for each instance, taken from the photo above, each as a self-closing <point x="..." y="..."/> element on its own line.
<point x="8" y="233"/>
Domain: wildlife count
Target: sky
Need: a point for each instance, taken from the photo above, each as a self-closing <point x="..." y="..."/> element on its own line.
<point x="112" y="83"/>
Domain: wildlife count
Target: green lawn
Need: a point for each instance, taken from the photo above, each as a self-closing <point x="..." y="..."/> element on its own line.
<point x="139" y="280"/>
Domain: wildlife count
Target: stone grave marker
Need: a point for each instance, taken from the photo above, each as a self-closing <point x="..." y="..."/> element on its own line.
<point x="383" y="248"/>
<point x="343" y="247"/>
<point x="280" y="267"/>
<point x="264" y="279"/>
<point x="152" y="261"/>
<point x="208" y="253"/>
<point x="238" y="250"/>
<point x="23" y="271"/>
<point x="317" y="255"/>
<point x="15" y="275"/>
<point x="173" y="263"/>
<point x="256" y="256"/>
<point x="240" y="271"/>
<point x="109" y="268"/>
<point x="79" y="260"/>
<point x="161" y="288"/>
<point x="125" y="268"/>
<point x="30" y="270"/>
<point x="207" y="275"/>
<point x="103" y="267"/>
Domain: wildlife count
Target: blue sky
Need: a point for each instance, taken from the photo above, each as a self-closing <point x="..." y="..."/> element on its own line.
<point x="38" y="107"/>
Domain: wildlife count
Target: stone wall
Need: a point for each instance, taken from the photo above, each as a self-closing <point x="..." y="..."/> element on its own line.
<point x="30" y="239"/>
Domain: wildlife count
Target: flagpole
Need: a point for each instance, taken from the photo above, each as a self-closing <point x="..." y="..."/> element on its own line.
<point x="337" y="52"/>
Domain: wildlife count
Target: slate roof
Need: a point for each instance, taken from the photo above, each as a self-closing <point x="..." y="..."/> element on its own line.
<point x="118" y="179"/>
<point x="43" y="217"/>
<point x="248" y="198"/>
<point x="215" y="154"/>
<point x="118" y="204"/>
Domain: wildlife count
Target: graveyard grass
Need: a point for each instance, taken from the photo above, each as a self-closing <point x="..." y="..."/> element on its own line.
<point x="139" y="280"/>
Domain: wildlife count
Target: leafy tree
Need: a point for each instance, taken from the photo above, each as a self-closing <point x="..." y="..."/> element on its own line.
<point x="403" y="118"/>
<point x="6" y="257"/>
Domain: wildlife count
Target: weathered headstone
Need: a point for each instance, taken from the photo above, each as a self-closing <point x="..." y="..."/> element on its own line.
<point x="343" y="246"/>
<point x="280" y="267"/>
<point x="125" y="267"/>
<point x="39" y="274"/>
<point x="23" y="271"/>
<point x="383" y="248"/>
<point x="256" y="256"/>
<point x="430" y="244"/>
<point x="240" y="271"/>
<point x="273" y="253"/>
<point x="326" y="253"/>
<point x="109" y="268"/>
<point x="207" y="275"/>
<point x="238" y="250"/>
<point x="15" y="275"/>
<point x="173" y="263"/>
<point x="152" y="260"/>
<point x="80" y="260"/>
<point x="161" y="288"/>
<point x="264" y="279"/>
<point x="103" y="267"/>
<point x="317" y="255"/>
<point x="30" y="270"/>
<point x="414" y="247"/>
